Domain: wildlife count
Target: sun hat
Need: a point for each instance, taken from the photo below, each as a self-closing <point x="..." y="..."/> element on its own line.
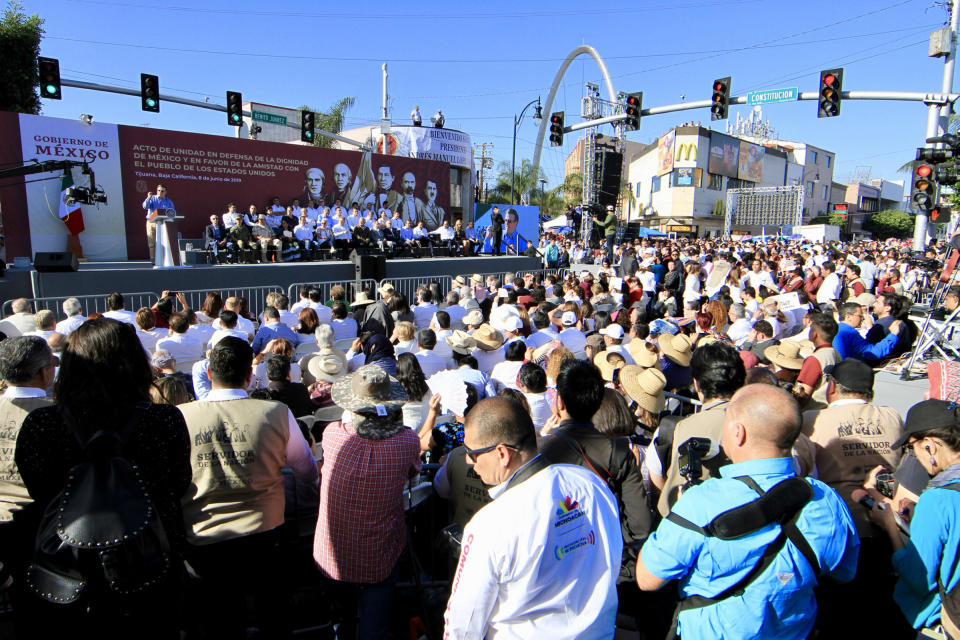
<point x="487" y="338"/>
<point x="327" y="364"/>
<point x="608" y="362"/>
<point x="386" y="289"/>
<point x="676" y="347"/>
<point x="644" y="353"/>
<point x="460" y="281"/>
<point x="360" y="299"/>
<point x="473" y="317"/>
<point x="785" y="355"/>
<point x="476" y="278"/>
<point x="864" y="299"/>
<point x="368" y="391"/>
<point x="461" y="342"/>
<point x="644" y="386"/>
<point x="470" y="304"/>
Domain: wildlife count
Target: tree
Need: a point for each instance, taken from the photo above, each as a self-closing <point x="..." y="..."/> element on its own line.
<point x="525" y="184"/>
<point x="572" y="188"/>
<point x="834" y="219"/>
<point x="890" y="223"/>
<point x="19" y="47"/>
<point x="331" y="121"/>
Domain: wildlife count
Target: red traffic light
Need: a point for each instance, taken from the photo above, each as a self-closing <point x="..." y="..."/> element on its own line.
<point x="829" y="79"/>
<point x="632" y="101"/>
<point x="924" y="171"/>
<point x="555" y="119"/>
<point x="719" y="86"/>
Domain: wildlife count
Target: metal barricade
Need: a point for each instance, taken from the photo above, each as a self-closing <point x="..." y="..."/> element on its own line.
<point x="540" y="274"/>
<point x="350" y="287"/>
<point x="256" y="297"/>
<point x="408" y="285"/>
<point x="89" y="304"/>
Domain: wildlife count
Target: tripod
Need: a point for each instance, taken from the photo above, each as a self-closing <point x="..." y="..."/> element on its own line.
<point x="930" y="335"/>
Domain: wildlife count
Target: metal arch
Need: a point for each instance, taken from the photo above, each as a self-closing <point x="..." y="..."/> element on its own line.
<point x="548" y="106"/>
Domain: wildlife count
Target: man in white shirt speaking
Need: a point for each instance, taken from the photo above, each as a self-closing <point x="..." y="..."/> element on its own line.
<point x="553" y="572"/>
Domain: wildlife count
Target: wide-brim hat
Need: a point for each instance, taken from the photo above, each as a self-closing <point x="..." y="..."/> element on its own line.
<point x="460" y="281"/>
<point x="608" y="362"/>
<point x="386" y="289"/>
<point x="644" y="354"/>
<point x="645" y="387"/>
<point x="474" y="316"/>
<point x="476" y="278"/>
<point x="785" y="355"/>
<point x="678" y="348"/>
<point x="461" y="342"/>
<point x="470" y="304"/>
<point x="864" y="299"/>
<point x="368" y="391"/>
<point x="360" y="299"/>
<point x="487" y="338"/>
<point x="328" y="364"/>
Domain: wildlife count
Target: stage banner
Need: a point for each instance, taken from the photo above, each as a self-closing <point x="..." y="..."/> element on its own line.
<point x="665" y="147"/>
<point x="724" y="155"/>
<point x="203" y="173"/>
<point x="428" y="143"/>
<point x="102" y="236"/>
<point x="751" y="162"/>
<point x="521" y="222"/>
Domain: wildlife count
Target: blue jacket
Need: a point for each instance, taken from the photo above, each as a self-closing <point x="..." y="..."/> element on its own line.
<point x="850" y="344"/>
<point x="268" y="332"/>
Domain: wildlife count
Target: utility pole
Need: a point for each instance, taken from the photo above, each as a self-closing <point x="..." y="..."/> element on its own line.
<point x="486" y="162"/>
<point x="937" y="116"/>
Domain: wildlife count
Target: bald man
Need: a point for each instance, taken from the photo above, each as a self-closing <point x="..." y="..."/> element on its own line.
<point x="722" y="595"/>
<point x="553" y="571"/>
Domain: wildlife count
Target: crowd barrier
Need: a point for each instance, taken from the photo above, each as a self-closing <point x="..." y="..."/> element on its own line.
<point x="408" y="285"/>
<point x="88" y="304"/>
<point x="256" y="297"/>
<point x="350" y="286"/>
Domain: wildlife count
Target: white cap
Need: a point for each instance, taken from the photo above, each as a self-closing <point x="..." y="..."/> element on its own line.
<point x="512" y="323"/>
<point x="613" y="330"/>
<point x="568" y="319"/>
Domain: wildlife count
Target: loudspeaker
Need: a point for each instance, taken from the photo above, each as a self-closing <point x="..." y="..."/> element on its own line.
<point x="611" y="166"/>
<point x="369" y="267"/>
<point x="55" y="261"/>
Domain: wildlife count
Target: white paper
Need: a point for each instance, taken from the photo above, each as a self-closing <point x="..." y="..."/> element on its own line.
<point x="615" y="284"/>
<point x="452" y="390"/>
<point x="789" y="301"/>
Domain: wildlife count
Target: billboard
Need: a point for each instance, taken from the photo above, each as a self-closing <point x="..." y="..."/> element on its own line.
<point x="665" y="147"/>
<point x="428" y="143"/>
<point x="524" y="225"/>
<point x="686" y="155"/>
<point x="202" y="173"/>
<point x="724" y="155"/>
<point x="751" y="162"/>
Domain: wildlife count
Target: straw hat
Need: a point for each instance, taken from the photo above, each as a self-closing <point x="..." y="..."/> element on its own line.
<point x="644" y="354"/>
<point x="864" y="299"/>
<point x="476" y="278"/>
<point x="461" y="342"/>
<point x="785" y="355"/>
<point x="368" y="391"/>
<point x="386" y="289"/>
<point x="328" y="365"/>
<point x="470" y="304"/>
<point x="360" y="299"/>
<point x="460" y="281"/>
<point x="608" y="362"/>
<point x="678" y="348"/>
<point x="644" y="386"/>
<point x="487" y="338"/>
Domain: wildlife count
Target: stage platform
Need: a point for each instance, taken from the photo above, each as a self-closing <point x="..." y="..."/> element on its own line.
<point x="100" y="278"/>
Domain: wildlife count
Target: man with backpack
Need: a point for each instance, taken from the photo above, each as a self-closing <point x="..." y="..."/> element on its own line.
<point x="235" y="504"/>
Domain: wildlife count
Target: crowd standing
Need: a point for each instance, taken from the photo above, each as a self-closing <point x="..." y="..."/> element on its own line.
<point x="684" y="440"/>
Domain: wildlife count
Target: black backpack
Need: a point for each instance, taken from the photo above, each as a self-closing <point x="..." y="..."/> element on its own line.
<point x="101" y="535"/>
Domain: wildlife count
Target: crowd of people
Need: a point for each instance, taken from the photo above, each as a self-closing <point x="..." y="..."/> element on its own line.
<point x="698" y="414"/>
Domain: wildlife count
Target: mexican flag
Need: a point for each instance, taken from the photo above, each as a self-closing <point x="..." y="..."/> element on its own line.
<point x="70" y="213"/>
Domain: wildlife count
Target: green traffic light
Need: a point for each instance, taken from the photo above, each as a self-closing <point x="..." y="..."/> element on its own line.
<point x="151" y="102"/>
<point x="51" y="88"/>
<point x="235" y="117"/>
<point x="309" y="134"/>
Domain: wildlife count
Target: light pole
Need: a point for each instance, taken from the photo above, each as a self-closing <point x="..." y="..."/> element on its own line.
<point x="537" y="117"/>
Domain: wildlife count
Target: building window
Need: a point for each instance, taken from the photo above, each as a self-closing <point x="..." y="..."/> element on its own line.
<point x="685" y="178"/>
<point x="715" y="181"/>
<point x="638" y="191"/>
<point x="869" y="205"/>
<point x="655" y="184"/>
<point x="823" y="196"/>
<point x="810" y="189"/>
<point x="813" y="157"/>
<point x="827" y="160"/>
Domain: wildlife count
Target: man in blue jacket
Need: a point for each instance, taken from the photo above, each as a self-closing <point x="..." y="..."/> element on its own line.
<point x="272" y="329"/>
<point x="850" y="344"/>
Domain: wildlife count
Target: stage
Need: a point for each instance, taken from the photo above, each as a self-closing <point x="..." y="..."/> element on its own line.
<point x="100" y="278"/>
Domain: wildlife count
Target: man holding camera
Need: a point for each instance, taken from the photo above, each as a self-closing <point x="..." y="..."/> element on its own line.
<point x="742" y="573"/>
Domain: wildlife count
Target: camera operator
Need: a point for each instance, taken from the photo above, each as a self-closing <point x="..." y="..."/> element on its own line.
<point x="950" y="303"/>
<point x="927" y="561"/>
<point x="717" y="373"/>
<point x="756" y="580"/>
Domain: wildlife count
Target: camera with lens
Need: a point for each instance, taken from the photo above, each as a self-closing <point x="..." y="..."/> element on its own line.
<point x="690" y="459"/>
<point x="886" y="484"/>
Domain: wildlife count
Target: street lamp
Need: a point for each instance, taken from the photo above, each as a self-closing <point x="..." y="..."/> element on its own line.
<point x="537" y="117"/>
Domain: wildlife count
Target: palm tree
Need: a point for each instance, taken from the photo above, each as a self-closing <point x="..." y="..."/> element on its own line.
<point x="330" y="120"/>
<point x="524" y="184"/>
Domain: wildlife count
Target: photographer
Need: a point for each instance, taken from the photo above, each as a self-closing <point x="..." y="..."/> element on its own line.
<point x="950" y="303"/>
<point x="742" y="573"/>
<point x="927" y="561"/>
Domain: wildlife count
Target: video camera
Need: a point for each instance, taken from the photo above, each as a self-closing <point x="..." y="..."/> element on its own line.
<point x="690" y="455"/>
<point x="86" y="195"/>
<point x="920" y="261"/>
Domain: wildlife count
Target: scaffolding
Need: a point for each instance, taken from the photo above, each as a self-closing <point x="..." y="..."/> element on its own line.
<point x="764" y="207"/>
<point x="592" y="106"/>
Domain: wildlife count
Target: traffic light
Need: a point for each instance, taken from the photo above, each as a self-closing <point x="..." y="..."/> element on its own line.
<point x="234" y="108"/>
<point x="306" y="126"/>
<point x="49" y="69"/>
<point x="721" y="99"/>
<point x="149" y="93"/>
<point x="556" y="129"/>
<point x="923" y="188"/>
<point x="940" y="214"/>
<point x="634" y="104"/>
<point x="831" y="83"/>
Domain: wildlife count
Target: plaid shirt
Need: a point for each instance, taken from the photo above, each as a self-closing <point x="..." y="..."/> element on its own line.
<point x="360" y="531"/>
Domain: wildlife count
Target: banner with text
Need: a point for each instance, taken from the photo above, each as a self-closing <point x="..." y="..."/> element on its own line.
<point x="428" y="143"/>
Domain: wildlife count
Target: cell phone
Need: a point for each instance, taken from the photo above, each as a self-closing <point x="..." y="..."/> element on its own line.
<point x="868" y="502"/>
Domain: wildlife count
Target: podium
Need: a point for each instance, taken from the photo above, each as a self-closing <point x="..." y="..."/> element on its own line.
<point x="166" y="257"/>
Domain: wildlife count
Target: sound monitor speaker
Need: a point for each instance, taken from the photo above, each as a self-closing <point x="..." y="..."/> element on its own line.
<point x="369" y="267"/>
<point x="55" y="261"/>
<point x="611" y="167"/>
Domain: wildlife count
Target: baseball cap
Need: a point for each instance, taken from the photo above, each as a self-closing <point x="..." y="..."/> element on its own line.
<point x="613" y="330"/>
<point x="512" y="323"/>
<point x="855" y="375"/>
<point x="926" y="415"/>
<point x="568" y="319"/>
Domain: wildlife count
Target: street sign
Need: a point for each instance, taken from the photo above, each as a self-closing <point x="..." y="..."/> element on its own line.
<point x="773" y="95"/>
<point x="271" y="118"/>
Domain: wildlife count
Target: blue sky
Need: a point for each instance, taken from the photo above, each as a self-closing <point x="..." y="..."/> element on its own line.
<point x="482" y="62"/>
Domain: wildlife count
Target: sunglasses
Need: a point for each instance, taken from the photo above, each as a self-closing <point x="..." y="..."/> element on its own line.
<point x="472" y="454"/>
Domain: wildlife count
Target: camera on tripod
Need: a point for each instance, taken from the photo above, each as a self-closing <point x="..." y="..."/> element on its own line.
<point x="690" y="459"/>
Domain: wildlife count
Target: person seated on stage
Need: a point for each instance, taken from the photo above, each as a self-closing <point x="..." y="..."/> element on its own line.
<point x="473" y="240"/>
<point x="362" y="235"/>
<point x="460" y="242"/>
<point x="324" y="235"/>
<point x="354" y="217"/>
<point x="342" y="238"/>
<point x="313" y="210"/>
<point x="273" y="219"/>
<point x="303" y="232"/>
<point x="407" y="238"/>
<point x="231" y="217"/>
<point x="250" y="218"/>
<point x="243" y="239"/>
<point x="216" y="238"/>
<point x="266" y="238"/>
<point x="396" y="222"/>
<point x="291" y="216"/>
<point x="275" y="206"/>
<point x="422" y="237"/>
<point x="446" y="236"/>
<point x="289" y="246"/>
<point x="383" y="219"/>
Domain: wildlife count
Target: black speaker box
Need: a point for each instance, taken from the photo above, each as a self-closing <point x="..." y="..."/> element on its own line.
<point x="55" y="261"/>
<point x="369" y="267"/>
<point x="611" y="168"/>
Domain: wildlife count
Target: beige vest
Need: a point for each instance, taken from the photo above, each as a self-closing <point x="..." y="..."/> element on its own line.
<point x="13" y="495"/>
<point x="851" y="440"/>
<point x="237" y="450"/>
<point x="706" y="424"/>
<point x="827" y="358"/>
